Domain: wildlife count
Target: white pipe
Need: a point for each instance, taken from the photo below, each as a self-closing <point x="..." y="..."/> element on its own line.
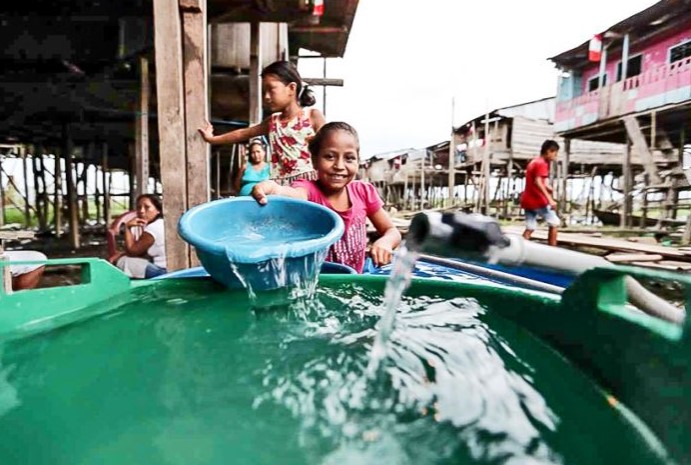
<point x="523" y="252"/>
<point x="434" y="232"/>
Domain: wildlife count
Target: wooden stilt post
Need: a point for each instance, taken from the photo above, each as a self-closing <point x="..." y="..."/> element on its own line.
<point x="196" y="101"/>
<point x="105" y="184"/>
<point x="422" y="180"/>
<point x="405" y="192"/>
<point x="255" y="70"/>
<point x="626" y="185"/>
<point x="171" y="125"/>
<point x="27" y="206"/>
<point x="3" y="218"/>
<point x="486" y="169"/>
<point x="466" y="184"/>
<point x="566" y="159"/>
<point x="37" y="188"/>
<point x="97" y="193"/>
<point x="45" y="199"/>
<point x="195" y="52"/>
<point x="85" y="192"/>
<point x="72" y="207"/>
<point x="57" y="201"/>
<point x="142" y="130"/>
<point x="452" y="157"/>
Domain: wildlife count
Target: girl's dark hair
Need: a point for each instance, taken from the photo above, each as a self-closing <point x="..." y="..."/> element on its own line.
<point x="286" y="72"/>
<point x="315" y="145"/>
<point x="156" y="202"/>
<point x="548" y="145"/>
<point x="258" y="142"/>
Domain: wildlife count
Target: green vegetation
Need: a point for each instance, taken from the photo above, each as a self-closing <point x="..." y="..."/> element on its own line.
<point x="13" y="214"/>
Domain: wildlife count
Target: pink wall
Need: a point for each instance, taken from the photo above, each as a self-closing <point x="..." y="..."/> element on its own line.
<point x="654" y="55"/>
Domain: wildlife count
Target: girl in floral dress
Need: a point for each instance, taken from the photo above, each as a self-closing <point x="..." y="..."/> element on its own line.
<point x="290" y="126"/>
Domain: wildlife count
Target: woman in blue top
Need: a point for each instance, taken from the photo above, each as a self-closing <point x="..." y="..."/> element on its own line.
<point x="253" y="172"/>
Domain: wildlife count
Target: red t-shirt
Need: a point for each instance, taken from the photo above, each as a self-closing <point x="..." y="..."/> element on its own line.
<point x="533" y="198"/>
<point x="364" y="202"/>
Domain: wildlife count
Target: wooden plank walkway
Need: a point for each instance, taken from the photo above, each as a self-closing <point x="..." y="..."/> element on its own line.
<point x="607" y="243"/>
<point x="633" y="252"/>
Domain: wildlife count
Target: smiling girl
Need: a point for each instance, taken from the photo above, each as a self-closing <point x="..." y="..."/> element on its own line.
<point x="335" y="153"/>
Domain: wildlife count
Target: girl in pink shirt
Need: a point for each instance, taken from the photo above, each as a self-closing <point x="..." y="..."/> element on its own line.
<point x="335" y="152"/>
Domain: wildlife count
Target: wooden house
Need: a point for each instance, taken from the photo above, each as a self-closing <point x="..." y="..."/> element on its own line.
<point x="638" y="93"/>
<point x="124" y="84"/>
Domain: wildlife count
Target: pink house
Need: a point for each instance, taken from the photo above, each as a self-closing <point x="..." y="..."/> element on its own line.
<point x="656" y="47"/>
<point x="637" y="93"/>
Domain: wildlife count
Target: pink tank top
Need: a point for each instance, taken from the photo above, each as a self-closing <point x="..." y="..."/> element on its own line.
<point x="289" y="154"/>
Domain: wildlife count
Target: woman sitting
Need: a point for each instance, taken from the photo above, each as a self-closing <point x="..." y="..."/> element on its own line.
<point x="145" y="253"/>
<point x="255" y="171"/>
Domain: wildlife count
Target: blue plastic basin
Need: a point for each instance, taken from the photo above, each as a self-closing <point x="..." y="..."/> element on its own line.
<point x="200" y="272"/>
<point x="279" y="244"/>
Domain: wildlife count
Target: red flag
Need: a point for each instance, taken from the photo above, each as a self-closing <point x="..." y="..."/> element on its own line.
<point x="595" y="48"/>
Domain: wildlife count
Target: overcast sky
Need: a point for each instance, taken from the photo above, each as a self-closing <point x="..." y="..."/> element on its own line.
<point x="406" y="59"/>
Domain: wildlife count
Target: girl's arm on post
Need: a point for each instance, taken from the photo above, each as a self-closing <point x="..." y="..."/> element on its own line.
<point x="233" y="137"/>
<point x="382" y="249"/>
<point x="264" y="188"/>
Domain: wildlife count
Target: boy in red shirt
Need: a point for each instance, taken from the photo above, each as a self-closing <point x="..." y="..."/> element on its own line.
<point x="537" y="197"/>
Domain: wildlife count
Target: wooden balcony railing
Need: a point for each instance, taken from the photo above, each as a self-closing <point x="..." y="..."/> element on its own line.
<point x="664" y="85"/>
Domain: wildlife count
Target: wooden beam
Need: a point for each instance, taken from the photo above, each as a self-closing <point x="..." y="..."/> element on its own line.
<point x="105" y="184"/>
<point x="2" y="196"/>
<point x="318" y="29"/>
<point x="57" y="200"/>
<point x="565" y="174"/>
<point x="452" y="158"/>
<point x="255" y="116"/>
<point x="171" y="126"/>
<point x="142" y="131"/>
<point x="633" y="129"/>
<point x="195" y="56"/>
<point x="626" y="185"/>
<point x="27" y="206"/>
<point x="196" y="103"/>
<point x="72" y="207"/>
<point x="324" y="82"/>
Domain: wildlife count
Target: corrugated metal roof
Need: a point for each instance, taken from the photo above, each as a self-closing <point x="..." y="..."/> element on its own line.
<point x="656" y="18"/>
<point x="539" y="110"/>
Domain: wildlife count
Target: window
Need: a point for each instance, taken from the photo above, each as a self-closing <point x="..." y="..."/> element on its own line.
<point x="632" y="69"/>
<point x="679" y="52"/>
<point x="593" y="82"/>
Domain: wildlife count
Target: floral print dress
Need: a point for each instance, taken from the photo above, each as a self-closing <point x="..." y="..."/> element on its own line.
<point x="289" y="154"/>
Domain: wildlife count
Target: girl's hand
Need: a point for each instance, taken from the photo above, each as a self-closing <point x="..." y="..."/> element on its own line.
<point x="262" y="189"/>
<point x="137" y="222"/>
<point x="381" y="253"/>
<point x="207" y="132"/>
